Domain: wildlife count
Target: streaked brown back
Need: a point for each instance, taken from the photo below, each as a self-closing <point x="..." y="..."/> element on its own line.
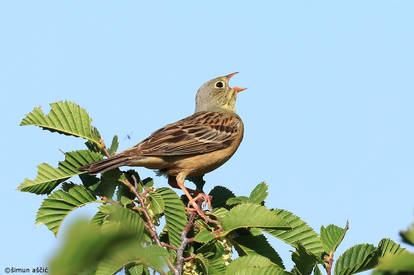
<point x="202" y="132"/>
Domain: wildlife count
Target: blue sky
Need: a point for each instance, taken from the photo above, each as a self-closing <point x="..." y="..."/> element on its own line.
<point x="328" y="112"/>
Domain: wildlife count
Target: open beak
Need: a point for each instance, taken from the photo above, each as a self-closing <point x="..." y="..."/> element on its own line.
<point x="237" y="89"/>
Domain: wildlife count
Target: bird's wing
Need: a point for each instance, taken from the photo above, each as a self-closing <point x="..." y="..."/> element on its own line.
<point x="200" y="133"/>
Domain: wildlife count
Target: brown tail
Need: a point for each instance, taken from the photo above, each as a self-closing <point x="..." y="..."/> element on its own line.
<point x="105" y="165"/>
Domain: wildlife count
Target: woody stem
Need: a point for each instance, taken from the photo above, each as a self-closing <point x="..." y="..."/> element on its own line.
<point x="149" y="225"/>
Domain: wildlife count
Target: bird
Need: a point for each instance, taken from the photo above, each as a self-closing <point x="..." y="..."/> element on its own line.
<point x="192" y="146"/>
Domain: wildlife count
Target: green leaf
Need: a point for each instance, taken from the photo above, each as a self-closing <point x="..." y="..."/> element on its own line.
<point x="219" y="212"/>
<point x="48" y="177"/>
<point x="253" y="264"/>
<point x="408" y="235"/>
<point x="163" y="236"/>
<point x="251" y="215"/>
<point x="356" y="259"/>
<point x="397" y="262"/>
<point x="148" y="182"/>
<point x="155" y="203"/>
<point x="90" y="181"/>
<point x="317" y="271"/>
<point x="219" y="196"/>
<point x="155" y="206"/>
<point x="134" y="269"/>
<point x="106" y="209"/>
<point x="214" y="266"/>
<point x="109" y="181"/>
<point x="238" y="200"/>
<point x="204" y="236"/>
<point x="114" y="145"/>
<point x="300" y="233"/>
<point x="92" y="146"/>
<point x="387" y="246"/>
<point x="248" y="244"/>
<point x="201" y="263"/>
<point x="259" y="193"/>
<point x="175" y="215"/>
<point x="213" y="254"/>
<point x="124" y="195"/>
<point x="151" y="256"/>
<point x="304" y="260"/>
<point x="67" y="185"/>
<point x="98" y="219"/>
<point x="85" y="245"/>
<point x="60" y="203"/>
<point x="332" y="236"/>
<point x="65" y="118"/>
<point x="121" y="219"/>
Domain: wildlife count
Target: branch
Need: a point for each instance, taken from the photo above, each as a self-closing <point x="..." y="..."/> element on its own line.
<point x="184" y="242"/>
<point x="149" y="225"/>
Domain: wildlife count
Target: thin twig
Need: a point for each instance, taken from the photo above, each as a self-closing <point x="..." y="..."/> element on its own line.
<point x="107" y="200"/>
<point x="329" y="259"/>
<point x="168" y="245"/>
<point x="143" y="210"/>
<point x="101" y="141"/>
<point x="150" y="225"/>
<point x="138" y="208"/>
<point x="146" y="191"/>
<point x="145" y="224"/>
<point x="184" y="242"/>
<point x="190" y="258"/>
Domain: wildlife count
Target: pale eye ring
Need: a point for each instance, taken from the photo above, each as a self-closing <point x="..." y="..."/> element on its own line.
<point x="219" y="84"/>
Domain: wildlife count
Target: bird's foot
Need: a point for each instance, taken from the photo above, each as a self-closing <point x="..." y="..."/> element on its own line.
<point x="196" y="207"/>
<point x="205" y="200"/>
<point x="217" y="232"/>
<point x="196" y="203"/>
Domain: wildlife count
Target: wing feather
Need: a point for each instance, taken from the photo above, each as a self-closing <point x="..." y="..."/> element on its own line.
<point x="203" y="132"/>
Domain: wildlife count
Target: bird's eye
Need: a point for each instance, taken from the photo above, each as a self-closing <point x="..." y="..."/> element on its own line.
<point x="219" y="84"/>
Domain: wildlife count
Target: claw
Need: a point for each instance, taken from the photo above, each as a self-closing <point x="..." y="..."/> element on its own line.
<point x="205" y="200"/>
<point x="194" y="204"/>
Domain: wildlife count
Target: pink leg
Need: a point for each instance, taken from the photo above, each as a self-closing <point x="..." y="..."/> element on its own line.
<point x="193" y="201"/>
<point x="173" y="182"/>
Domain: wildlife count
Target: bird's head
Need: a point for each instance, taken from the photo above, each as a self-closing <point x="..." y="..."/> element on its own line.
<point x="216" y="95"/>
